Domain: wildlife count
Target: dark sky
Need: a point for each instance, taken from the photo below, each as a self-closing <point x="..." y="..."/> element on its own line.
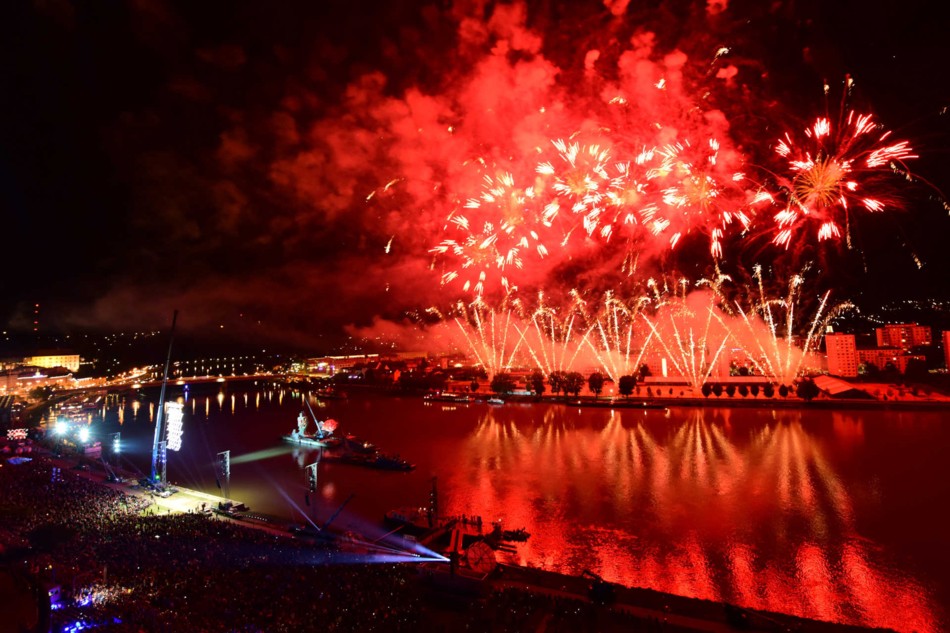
<point x="219" y="157"/>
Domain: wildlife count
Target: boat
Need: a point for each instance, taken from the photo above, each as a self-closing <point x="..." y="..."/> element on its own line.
<point x="391" y="462"/>
<point x="446" y="396"/>
<point x="520" y="535"/>
<point x="301" y="439"/>
<point x="374" y="460"/>
<point x="410" y="521"/>
<point x="354" y="444"/>
<point x="323" y="438"/>
<point x="348" y="449"/>
<point x="330" y="393"/>
<point x="496" y="401"/>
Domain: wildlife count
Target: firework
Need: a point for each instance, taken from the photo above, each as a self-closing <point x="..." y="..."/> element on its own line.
<point x="614" y="338"/>
<point x="700" y="195"/>
<point x="499" y="228"/>
<point x="632" y="194"/>
<point x="491" y="332"/>
<point x="553" y="343"/>
<point x="834" y="169"/>
<point x="690" y="330"/>
<point x="773" y="352"/>
<point x="580" y="180"/>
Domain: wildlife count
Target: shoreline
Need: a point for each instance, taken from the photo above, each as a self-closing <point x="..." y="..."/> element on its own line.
<point x="661" y="402"/>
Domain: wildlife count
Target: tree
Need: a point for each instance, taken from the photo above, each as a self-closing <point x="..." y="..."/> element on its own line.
<point x="768" y="390"/>
<point x="573" y="383"/>
<point x="869" y="370"/>
<point x="644" y="372"/>
<point x="556" y="380"/>
<point x="743" y="390"/>
<point x="890" y="373"/>
<point x="536" y="381"/>
<point x="473" y="386"/>
<point x="706" y="389"/>
<point x="40" y="393"/>
<point x="916" y="369"/>
<point x="503" y="383"/>
<point x="596" y="383"/>
<point x="730" y="390"/>
<point x="626" y="385"/>
<point x="436" y="380"/>
<point x="783" y="391"/>
<point x="807" y="389"/>
<point x="717" y="389"/>
<point x="754" y="389"/>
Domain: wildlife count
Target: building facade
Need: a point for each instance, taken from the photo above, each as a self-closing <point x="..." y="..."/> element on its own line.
<point x="56" y="359"/>
<point x="903" y="336"/>
<point x="882" y="356"/>
<point x="842" y="355"/>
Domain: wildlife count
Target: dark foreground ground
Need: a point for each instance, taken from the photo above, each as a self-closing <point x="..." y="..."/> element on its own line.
<point x="121" y="562"/>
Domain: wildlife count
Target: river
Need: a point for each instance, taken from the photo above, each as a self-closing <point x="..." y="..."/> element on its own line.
<point x="831" y="514"/>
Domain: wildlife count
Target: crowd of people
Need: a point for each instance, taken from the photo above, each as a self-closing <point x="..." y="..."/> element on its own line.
<point x="122" y="565"/>
<point x="117" y="562"/>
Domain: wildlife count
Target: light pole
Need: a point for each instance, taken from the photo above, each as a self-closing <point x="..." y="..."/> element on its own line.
<point x="224" y="470"/>
<point x="158" y="446"/>
<point x="312" y="478"/>
<point x="116" y="446"/>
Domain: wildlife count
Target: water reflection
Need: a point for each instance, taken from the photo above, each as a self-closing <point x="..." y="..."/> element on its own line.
<point x="776" y="510"/>
<point x="757" y="515"/>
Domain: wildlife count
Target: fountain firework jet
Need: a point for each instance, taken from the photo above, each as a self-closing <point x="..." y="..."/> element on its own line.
<point x="613" y="337"/>
<point x="491" y="332"/>
<point x="772" y="349"/>
<point x="689" y="328"/>
<point x="551" y="342"/>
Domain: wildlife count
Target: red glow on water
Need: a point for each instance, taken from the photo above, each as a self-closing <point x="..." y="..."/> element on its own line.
<point x="768" y="509"/>
<point x="693" y="495"/>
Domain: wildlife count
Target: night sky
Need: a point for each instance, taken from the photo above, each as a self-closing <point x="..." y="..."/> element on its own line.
<point x="280" y="170"/>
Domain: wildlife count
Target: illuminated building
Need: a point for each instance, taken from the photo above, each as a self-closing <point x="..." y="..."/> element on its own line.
<point x="842" y="355"/>
<point x="903" y="335"/>
<point x="54" y="359"/>
<point x="882" y="356"/>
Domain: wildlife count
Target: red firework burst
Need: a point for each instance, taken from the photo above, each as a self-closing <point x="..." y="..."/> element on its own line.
<point x="836" y="168"/>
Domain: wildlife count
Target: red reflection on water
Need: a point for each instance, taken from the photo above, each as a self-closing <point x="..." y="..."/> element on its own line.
<point x="756" y="516"/>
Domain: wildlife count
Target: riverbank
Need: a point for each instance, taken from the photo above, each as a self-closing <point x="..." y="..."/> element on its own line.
<point x="823" y="401"/>
<point x="750" y="402"/>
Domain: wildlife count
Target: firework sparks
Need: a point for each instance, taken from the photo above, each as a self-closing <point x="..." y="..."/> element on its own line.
<point x="700" y="195"/>
<point x="498" y="228"/>
<point x="491" y="332"/>
<point x="612" y="337"/>
<point x="552" y="345"/>
<point x="836" y="168"/>
<point x="774" y="352"/>
<point x="580" y="181"/>
<point x="687" y="327"/>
